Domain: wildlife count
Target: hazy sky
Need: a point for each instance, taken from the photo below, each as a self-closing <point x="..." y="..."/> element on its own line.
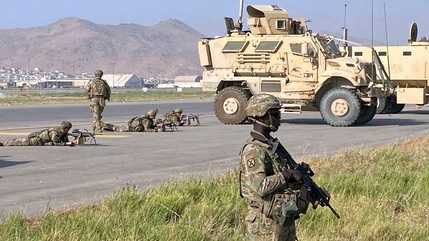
<point x="207" y="16"/>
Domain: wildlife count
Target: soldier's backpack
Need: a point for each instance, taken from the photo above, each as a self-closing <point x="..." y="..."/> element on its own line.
<point x="136" y="124"/>
<point x="98" y="88"/>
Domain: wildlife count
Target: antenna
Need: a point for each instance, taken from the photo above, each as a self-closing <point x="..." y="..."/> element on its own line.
<point x="240" y="15"/>
<point x="345" y="30"/>
<point x="372" y="38"/>
<point x="387" y="38"/>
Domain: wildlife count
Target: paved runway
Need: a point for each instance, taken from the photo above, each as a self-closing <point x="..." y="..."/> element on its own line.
<point x="34" y="179"/>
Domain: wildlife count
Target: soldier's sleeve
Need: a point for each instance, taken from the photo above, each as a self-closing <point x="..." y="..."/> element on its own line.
<point x="256" y="165"/>
<point x="57" y="139"/>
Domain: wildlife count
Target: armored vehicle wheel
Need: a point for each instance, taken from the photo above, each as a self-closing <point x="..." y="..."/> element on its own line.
<point x="367" y="113"/>
<point x="230" y="105"/>
<point x="340" y="107"/>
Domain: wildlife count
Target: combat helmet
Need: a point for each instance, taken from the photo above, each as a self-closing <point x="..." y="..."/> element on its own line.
<point x="178" y="111"/>
<point x="260" y="104"/>
<point x="66" y="125"/>
<point x="98" y="73"/>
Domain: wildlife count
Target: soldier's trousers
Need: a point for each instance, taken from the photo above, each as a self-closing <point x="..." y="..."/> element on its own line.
<point x="261" y="228"/>
<point x="96" y="106"/>
<point x="24" y="141"/>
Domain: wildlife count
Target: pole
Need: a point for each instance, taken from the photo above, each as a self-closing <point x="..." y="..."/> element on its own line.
<point x="240" y="14"/>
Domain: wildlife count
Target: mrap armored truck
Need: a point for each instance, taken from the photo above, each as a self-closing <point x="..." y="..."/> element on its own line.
<point x="408" y="67"/>
<point x="278" y="55"/>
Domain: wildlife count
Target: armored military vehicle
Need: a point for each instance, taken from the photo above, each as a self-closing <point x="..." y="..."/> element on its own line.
<point x="278" y="55"/>
<point x="408" y="66"/>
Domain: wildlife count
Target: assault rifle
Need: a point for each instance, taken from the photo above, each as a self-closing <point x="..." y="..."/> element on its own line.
<point x="318" y="194"/>
<point x="164" y="125"/>
<point x="83" y="137"/>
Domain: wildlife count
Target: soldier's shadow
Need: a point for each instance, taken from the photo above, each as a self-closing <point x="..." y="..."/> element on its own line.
<point x="8" y="163"/>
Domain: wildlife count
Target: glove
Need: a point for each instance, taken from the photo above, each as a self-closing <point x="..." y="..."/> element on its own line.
<point x="293" y="176"/>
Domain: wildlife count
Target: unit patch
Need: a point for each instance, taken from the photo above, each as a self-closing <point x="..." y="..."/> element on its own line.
<point x="251" y="163"/>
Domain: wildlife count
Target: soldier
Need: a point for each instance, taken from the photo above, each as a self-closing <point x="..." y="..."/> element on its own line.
<point x="175" y="117"/>
<point x="98" y="93"/>
<point x="149" y="121"/>
<point x="57" y="136"/>
<point x="145" y="123"/>
<point x="273" y="192"/>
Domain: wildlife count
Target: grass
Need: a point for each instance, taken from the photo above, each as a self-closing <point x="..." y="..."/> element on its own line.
<point x="75" y="96"/>
<point x="382" y="194"/>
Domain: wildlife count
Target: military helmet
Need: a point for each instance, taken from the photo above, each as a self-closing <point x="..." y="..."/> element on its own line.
<point x="260" y="104"/>
<point x="99" y="73"/>
<point x="152" y="113"/>
<point x="178" y="111"/>
<point x="66" y="125"/>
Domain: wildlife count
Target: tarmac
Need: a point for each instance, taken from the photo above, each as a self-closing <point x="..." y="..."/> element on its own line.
<point x="34" y="180"/>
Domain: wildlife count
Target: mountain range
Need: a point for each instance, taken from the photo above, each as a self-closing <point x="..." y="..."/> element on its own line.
<point x="74" y="45"/>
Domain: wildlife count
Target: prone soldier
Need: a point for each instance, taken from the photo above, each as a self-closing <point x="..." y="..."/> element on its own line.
<point x="98" y="92"/>
<point x="179" y="119"/>
<point x="275" y="191"/>
<point x="57" y="136"/>
<point x="146" y="123"/>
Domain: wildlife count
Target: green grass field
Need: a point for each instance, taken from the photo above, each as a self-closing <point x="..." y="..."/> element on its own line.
<point x="381" y="194"/>
<point x="77" y="96"/>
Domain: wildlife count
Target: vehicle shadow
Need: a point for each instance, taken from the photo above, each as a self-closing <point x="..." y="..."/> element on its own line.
<point x="415" y="112"/>
<point x="4" y="163"/>
<point x="375" y="122"/>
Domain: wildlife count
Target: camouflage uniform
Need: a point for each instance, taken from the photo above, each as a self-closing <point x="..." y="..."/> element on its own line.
<point x="57" y="136"/>
<point x="273" y="203"/>
<point x="175" y="117"/>
<point x="136" y="124"/>
<point x="98" y="93"/>
<point x="148" y="121"/>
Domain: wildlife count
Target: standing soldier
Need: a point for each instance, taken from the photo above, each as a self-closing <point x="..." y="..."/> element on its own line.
<point x="57" y="136"/>
<point x="273" y="192"/>
<point x="98" y="93"/>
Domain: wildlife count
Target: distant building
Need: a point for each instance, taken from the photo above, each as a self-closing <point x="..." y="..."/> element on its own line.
<point x="188" y="79"/>
<point x="115" y="81"/>
<point x="123" y="80"/>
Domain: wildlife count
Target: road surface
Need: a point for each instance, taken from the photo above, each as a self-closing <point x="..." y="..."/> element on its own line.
<point x="36" y="179"/>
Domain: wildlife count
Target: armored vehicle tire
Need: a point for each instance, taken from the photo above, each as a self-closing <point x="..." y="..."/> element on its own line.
<point x="367" y="113"/>
<point x="340" y="107"/>
<point x="230" y="105"/>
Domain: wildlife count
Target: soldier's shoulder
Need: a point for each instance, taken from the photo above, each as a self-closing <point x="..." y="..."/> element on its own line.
<point x="253" y="150"/>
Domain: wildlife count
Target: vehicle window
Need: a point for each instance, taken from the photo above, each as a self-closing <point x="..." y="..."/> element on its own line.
<point x="268" y="46"/>
<point x="358" y="54"/>
<point x="281" y="24"/>
<point x="382" y="53"/>
<point x="407" y="53"/>
<point x="296" y="48"/>
<point x="234" y="46"/>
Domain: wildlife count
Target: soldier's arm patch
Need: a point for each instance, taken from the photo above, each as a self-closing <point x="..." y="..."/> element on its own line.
<point x="251" y="163"/>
